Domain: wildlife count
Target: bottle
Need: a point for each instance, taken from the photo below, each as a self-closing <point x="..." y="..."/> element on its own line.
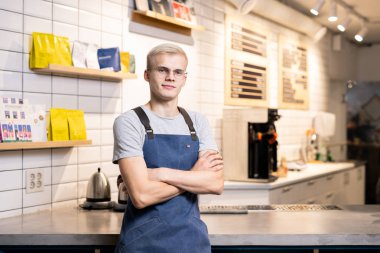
<point x="282" y="168"/>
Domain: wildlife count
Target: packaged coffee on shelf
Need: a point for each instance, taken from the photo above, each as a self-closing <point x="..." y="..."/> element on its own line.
<point x="77" y="125"/>
<point x="92" y="56"/>
<point x="15" y="124"/>
<point x="58" y="126"/>
<point x="109" y="59"/>
<point x="79" y="54"/>
<point x="39" y="123"/>
<point x="124" y="60"/>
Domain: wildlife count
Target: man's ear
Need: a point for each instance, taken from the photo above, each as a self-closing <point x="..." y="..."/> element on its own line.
<point x="146" y="75"/>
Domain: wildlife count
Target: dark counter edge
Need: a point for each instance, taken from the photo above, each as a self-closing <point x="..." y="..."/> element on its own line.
<point x="216" y="240"/>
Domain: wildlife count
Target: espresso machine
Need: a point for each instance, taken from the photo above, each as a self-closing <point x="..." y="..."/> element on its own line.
<point x="250" y="144"/>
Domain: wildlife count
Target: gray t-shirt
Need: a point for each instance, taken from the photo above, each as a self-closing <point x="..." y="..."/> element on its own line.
<point x="129" y="133"/>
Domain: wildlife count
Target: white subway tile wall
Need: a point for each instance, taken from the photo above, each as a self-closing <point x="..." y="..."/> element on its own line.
<point x="66" y="170"/>
<point x="105" y="23"/>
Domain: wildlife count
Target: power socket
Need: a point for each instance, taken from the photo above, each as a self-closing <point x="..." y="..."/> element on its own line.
<point x="34" y="180"/>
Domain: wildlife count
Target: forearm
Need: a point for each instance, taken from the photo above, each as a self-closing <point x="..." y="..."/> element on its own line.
<point x="155" y="192"/>
<point x="142" y="191"/>
<point x="199" y="182"/>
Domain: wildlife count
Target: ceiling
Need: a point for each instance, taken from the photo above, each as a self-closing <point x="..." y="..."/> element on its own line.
<point x="367" y="9"/>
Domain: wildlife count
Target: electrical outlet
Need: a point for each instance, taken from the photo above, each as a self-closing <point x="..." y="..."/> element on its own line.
<point x="34" y="180"/>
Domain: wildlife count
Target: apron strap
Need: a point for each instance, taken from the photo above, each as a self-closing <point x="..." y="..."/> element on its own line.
<point x="145" y="121"/>
<point x="149" y="131"/>
<point x="189" y="123"/>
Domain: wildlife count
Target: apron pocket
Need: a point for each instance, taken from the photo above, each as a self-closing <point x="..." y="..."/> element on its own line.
<point x="136" y="233"/>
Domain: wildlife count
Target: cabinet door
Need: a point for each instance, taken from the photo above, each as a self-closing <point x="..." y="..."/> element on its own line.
<point x="290" y="194"/>
<point x="355" y="186"/>
<point x="352" y="189"/>
<point x="236" y="197"/>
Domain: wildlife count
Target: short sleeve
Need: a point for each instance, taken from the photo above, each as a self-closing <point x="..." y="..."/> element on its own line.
<point x="206" y="139"/>
<point x="129" y="136"/>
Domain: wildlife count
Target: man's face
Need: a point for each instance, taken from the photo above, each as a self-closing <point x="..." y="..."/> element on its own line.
<point x="167" y="76"/>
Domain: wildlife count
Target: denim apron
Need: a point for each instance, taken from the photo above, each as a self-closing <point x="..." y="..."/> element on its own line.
<point x="173" y="226"/>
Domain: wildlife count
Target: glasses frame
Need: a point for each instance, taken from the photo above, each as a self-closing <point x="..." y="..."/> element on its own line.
<point x="164" y="72"/>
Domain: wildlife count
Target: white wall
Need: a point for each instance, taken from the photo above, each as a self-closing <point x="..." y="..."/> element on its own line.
<point x="343" y="67"/>
<point x="368" y="64"/>
<point x="67" y="170"/>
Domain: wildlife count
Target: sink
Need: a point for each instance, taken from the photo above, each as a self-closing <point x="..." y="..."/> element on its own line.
<point x="244" y="209"/>
<point x="293" y="207"/>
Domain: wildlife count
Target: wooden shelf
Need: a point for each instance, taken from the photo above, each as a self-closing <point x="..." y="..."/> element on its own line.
<point x="43" y="145"/>
<point x="159" y="20"/>
<point x="71" y="71"/>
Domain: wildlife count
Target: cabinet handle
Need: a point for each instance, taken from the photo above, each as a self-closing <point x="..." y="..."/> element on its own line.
<point x="330" y="177"/>
<point x="286" y="189"/>
<point x="329" y="195"/>
<point x="311" y="182"/>
<point x="312" y="201"/>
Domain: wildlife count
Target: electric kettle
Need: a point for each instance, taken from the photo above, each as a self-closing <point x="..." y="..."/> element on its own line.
<point x="98" y="188"/>
<point x="123" y="192"/>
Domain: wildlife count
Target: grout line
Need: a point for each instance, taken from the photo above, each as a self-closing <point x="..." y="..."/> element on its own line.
<point x="22" y="95"/>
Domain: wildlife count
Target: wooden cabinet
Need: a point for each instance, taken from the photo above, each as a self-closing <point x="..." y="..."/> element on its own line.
<point x="345" y="186"/>
<point x="352" y="187"/>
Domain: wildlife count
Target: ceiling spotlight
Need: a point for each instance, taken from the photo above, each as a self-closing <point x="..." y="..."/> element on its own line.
<point x="315" y="10"/>
<point x="333" y="13"/>
<point x="343" y="26"/>
<point x="360" y="35"/>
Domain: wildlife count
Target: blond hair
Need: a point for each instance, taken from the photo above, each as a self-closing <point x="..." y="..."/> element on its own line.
<point x="165" y="48"/>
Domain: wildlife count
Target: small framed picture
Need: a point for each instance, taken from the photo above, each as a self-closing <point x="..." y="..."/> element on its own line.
<point x="142" y="5"/>
<point x="181" y="11"/>
<point x="162" y="7"/>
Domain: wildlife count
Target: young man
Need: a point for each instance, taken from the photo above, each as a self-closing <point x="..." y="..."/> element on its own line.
<point x="166" y="157"/>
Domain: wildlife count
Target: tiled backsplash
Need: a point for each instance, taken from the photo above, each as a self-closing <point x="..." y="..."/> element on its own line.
<point x="66" y="170"/>
<point x="105" y="23"/>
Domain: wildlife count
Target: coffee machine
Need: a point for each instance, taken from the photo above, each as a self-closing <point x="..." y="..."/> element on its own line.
<point x="250" y="144"/>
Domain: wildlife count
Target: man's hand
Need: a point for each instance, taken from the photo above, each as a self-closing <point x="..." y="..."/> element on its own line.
<point x="210" y="160"/>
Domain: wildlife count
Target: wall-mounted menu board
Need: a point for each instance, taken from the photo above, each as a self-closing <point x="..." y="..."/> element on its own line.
<point x="293" y="82"/>
<point x="246" y="64"/>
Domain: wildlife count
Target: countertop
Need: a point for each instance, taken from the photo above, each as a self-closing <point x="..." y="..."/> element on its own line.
<point x="313" y="170"/>
<point x="353" y="225"/>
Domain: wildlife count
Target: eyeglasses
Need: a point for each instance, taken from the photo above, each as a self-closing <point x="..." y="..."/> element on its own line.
<point x="164" y="72"/>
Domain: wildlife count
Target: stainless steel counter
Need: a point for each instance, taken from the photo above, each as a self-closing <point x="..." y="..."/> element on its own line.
<point x="354" y="225"/>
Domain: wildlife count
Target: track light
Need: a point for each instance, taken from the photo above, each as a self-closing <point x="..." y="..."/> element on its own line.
<point x="361" y="34"/>
<point x="315" y="10"/>
<point x="343" y="26"/>
<point x="319" y="35"/>
<point x="333" y="13"/>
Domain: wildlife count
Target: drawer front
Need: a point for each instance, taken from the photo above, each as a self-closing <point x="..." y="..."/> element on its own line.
<point x="332" y="182"/>
<point x="236" y="197"/>
<point x="286" y="195"/>
<point x="302" y="192"/>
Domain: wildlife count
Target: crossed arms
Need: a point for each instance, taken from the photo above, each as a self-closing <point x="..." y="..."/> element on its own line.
<point x="152" y="186"/>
